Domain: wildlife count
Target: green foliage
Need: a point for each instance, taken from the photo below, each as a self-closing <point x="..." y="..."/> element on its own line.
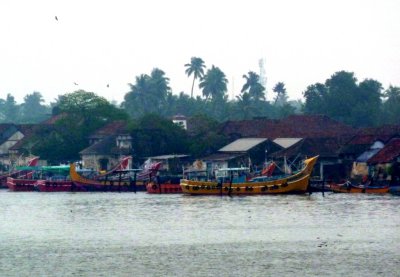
<point x="33" y="110"/>
<point x="149" y="94"/>
<point x="9" y="112"/>
<point x="82" y="113"/>
<point x="205" y="138"/>
<point x="155" y="135"/>
<point x="343" y="99"/>
<point x="253" y="87"/>
<point x="214" y="84"/>
<point x="281" y="94"/>
<point x="391" y="106"/>
<point x="195" y="67"/>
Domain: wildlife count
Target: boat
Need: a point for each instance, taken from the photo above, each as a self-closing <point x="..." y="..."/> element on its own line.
<point x="296" y="182"/>
<point x="348" y="187"/>
<point x="164" y="184"/>
<point x="14" y="184"/>
<point x="43" y="178"/>
<point x="119" y="181"/>
<point x="18" y="173"/>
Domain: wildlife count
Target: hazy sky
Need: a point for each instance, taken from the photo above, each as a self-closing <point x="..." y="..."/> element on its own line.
<point x="95" y="43"/>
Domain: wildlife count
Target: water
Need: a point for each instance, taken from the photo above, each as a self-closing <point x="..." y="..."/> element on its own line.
<point x="127" y="234"/>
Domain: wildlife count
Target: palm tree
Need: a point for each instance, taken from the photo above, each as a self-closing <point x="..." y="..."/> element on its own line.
<point x="253" y="86"/>
<point x="214" y="83"/>
<point x="195" y="67"/>
<point x="280" y="91"/>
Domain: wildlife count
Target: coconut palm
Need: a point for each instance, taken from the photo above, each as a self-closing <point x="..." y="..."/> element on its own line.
<point x="214" y="83"/>
<point x="253" y="86"/>
<point x="195" y="67"/>
<point x="281" y="96"/>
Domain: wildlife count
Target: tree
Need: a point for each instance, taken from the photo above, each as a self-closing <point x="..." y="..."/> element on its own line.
<point x="315" y="96"/>
<point x="253" y="86"/>
<point x="155" y="135"/>
<point x="214" y="84"/>
<point x="10" y="110"/>
<point x="32" y="110"/>
<point x="83" y="113"/>
<point x="391" y="106"/>
<point x="195" y="67"/>
<point x="281" y="95"/>
<point x="148" y="95"/>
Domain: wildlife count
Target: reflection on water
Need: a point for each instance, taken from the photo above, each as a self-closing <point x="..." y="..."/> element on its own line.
<point x="127" y="234"/>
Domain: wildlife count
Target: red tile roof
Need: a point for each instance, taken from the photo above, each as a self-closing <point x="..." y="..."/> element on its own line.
<point x="112" y="128"/>
<point x="299" y="126"/>
<point x="388" y="153"/>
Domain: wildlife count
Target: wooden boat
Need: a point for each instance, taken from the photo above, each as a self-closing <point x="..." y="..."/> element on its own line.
<point x="18" y="173"/>
<point x="119" y="181"/>
<point x="164" y="184"/>
<point x="348" y="187"/>
<point x="21" y="184"/>
<point x="56" y="186"/>
<point x="294" y="183"/>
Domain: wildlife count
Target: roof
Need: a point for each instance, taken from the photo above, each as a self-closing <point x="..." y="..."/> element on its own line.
<point x="111" y="128"/>
<point x="286" y="142"/>
<point x="167" y="157"/>
<point x="388" y="153"/>
<point x="222" y="157"/>
<point x="364" y="157"/>
<point x="6" y="131"/>
<point x="242" y="145"/>
<point x="324" y="147"/>
<point x="107" y="146"/>
<point x="294" y="126"/>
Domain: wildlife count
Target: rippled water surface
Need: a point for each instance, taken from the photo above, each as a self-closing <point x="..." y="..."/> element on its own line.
<point x="127" y="234"/>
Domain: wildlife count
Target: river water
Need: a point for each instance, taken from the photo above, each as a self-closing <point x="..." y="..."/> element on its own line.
<point x="127" y="234"/>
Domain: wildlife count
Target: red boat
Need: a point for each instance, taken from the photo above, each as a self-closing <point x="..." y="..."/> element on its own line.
<point x="19" y="173"/>
<point x="21" y="184"/>
<point x="164" y="184"/>
<point x="351" y="188"/>
<point x="56" y="186"/>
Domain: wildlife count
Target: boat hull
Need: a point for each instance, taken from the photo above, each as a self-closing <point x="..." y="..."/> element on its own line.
<point x="56" y="186"/>
<point x="342" y="188"/>
<point x="108" y="187"/>
<point x="20" y="184"/>
<point x="213" y="188"/>
<point x="164" y="188"/>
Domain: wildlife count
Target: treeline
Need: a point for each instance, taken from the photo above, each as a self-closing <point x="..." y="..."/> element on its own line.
<point x="341" y="97"/>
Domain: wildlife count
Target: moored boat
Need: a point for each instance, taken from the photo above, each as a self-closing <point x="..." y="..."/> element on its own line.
<point x="120" y="181"/>
<point x="348" y="187"/>
<point x="164" y="184"/>
<point x="21" y="184"/>
<point x="294" y="183"/>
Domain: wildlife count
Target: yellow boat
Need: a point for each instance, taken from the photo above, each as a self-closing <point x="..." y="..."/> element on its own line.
<point x="295" y="183"/>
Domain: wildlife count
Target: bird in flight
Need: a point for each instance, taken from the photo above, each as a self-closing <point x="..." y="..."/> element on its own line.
<point x="56" y="18"/>
<point x="75" y="83"/>
<point x="108" y="85"/>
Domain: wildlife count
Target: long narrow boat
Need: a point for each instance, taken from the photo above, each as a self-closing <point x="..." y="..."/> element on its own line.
<point x="351" y="188"/>
<point x="116" y="182"/>
<point x="14" y="184"/>
<point x="295" y="183"/>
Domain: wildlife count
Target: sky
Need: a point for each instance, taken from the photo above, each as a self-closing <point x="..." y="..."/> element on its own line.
<point x="95" y="43"/>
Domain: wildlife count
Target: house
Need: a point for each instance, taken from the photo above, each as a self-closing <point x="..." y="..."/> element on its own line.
<point x="10" y="135"/>
<point x="243" y="152"/>
<point x="328" y="165"/>
<point x="173" y="163"/>
<point x="385" y="164"/>
<point x="107" y="146"/>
